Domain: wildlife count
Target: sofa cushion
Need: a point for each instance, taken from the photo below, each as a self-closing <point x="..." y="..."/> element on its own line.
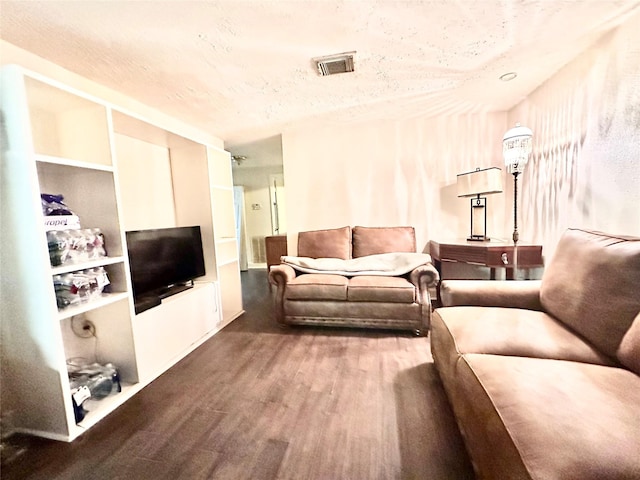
<point x="368" y="288"/>
<point x="629" y="351"/>
<point x="331" y="243"/>
<point x="374" y="240"/>
<point x="317" y="286"/>
<point x="551" y="419"/>
<point x="591" y="285"/>
<point x="509" y="331"/>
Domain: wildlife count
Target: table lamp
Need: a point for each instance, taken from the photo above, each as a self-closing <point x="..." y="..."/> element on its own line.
<point x="474" y="184"/>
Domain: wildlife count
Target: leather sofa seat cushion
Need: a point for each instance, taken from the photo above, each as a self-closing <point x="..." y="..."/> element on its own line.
<point x="317" y="286"/>
<point x="510" y="331"/>
<point x="549" y="419"/>
<point x="330" y="243"/>
<point x="367" y="288"/>
<point x="376" y="240"/>
<point x="591" y="285"/>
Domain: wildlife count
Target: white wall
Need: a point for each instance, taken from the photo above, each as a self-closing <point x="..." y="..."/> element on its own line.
<point x="584" y="171"/>
<point x="585" y="168"/>
<point x="391" y="173"/>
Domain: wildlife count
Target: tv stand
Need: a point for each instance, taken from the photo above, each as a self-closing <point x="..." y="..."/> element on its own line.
<point x="151" y="300"/>
<point x="175" y="327"/>
<point x="173" y="289"/>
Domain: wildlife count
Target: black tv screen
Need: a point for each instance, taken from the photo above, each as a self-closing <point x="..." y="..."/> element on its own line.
<point x="164" y="258"/>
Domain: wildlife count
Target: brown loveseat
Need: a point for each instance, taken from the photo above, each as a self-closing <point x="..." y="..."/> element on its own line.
<point x="355" y="298"/>
<point x="544" y="376"/>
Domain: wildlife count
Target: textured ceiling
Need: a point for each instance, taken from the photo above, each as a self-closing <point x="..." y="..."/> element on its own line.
<point x="243" y="69"/>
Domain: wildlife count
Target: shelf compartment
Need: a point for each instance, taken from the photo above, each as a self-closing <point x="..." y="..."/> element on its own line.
<point x="98" y="409"/>
<point x="221" y="175"/>
<point x="118" y="287"/>
<point x="67" y="125"/>
<point x="104" y="300"/>
<point x="91" y="195"/>
<point x="230" y="294"/>
<point x="112" y="341"/>
<point x="74" y="267"/>
<point x="72" y="163"/>
<point x="223" y="213"/>
<point x="226" y="251"/>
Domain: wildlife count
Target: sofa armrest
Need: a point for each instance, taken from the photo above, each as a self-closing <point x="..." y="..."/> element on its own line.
<point x="492" y="293"/>
<point x="424" y="277"/>
<point x="281" y="274"/>
<point x="424" y="274"/>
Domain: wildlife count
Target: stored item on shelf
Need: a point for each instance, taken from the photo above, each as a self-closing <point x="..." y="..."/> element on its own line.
<point x="95" y="243"/>
<point x="75" y="246"/>
<point x="99" y="281"/>
<point x="61" y="222"/>
<point x="91" y="381"/>
<point x="81" y="286"/>
<point x="54" y="205"/>
<point x="58" y="247"/>
<point x="57" y="215"/>
<point x="78" y="396"/>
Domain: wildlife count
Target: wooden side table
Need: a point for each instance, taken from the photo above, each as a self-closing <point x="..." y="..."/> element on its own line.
<point x="275" y="247"/>
<point x="493" y="254"/>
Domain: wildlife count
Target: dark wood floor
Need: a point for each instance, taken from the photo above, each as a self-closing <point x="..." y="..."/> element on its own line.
<point x="260" y="402"/>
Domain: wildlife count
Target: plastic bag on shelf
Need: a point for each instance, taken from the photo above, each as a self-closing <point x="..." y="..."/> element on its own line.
<point x="95" y="243"/>
<point x="98" y="281"/>
<point x="91" y="381"/>
<point x="57" y="215"/>
<point x="101" y="380"/>
<point x="75" y="246"/>
<point x="69" y="289"/>
<point x="82" y="286"/>
<point x="58" y="243"/>
<point x="54" y="205"/>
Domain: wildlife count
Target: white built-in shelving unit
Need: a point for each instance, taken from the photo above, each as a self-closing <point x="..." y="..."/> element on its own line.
<point x="61" y="141"/>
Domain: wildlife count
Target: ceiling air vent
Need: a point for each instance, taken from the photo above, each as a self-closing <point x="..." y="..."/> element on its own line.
<point x="332" y="64"/>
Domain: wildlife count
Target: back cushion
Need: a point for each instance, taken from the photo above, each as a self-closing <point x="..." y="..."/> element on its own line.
<point x="333" y="243"/>
<point x="592" y="285"/>
<point x="371" y="241"/>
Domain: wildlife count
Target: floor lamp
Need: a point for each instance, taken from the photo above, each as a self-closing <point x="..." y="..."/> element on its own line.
<point x="516" y="147"/>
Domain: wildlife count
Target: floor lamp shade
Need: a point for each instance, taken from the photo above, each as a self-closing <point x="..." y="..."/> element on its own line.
<point x="516" y="147"/>
<point x="474" y="184"/>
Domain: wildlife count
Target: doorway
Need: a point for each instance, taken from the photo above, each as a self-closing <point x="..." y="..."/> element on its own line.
<point x="241" y="229"/>
<point x="278" y="204"/>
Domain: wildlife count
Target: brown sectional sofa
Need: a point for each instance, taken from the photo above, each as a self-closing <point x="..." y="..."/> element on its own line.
<point x="372" y="301"/>
<point x="544" y="376"/>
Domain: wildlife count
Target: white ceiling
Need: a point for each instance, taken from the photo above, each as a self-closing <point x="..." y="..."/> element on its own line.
<point x="243" y="70"/>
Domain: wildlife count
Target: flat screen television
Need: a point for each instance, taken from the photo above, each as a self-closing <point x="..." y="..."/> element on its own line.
<point x="163" y="262"/>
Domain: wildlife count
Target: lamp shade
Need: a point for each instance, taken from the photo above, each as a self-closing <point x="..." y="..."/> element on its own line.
<point x="516" y="147"/>
<point x="479" y="182"/>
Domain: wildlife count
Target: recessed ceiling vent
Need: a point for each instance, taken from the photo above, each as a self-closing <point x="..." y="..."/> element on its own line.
<point x="333" y="64"/>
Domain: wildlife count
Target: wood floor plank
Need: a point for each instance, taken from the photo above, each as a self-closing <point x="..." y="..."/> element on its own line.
<point x="258" y="401"/>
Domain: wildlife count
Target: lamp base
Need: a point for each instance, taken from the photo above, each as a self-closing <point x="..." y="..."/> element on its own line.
<point x="478" y="238"/>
